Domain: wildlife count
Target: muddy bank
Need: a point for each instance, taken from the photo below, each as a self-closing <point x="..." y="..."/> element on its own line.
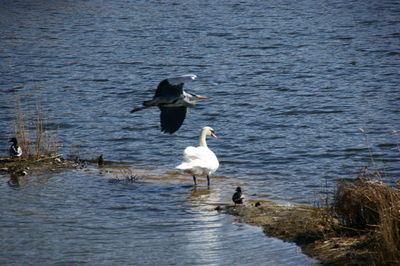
<point x="315" y="230"/>
<point x="36" y="166"/>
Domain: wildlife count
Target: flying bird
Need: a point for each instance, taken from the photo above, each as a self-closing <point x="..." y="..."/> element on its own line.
<point x="172" y="101"/>
<point x="200" y="160"/>
<point x="238" y="197"/>
<point x="15" y="149"/>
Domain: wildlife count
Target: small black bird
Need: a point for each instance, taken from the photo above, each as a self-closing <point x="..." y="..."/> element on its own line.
<point x="15" y="150"/>
<point x="238" y="197"/>
<point x="100" y="160"/>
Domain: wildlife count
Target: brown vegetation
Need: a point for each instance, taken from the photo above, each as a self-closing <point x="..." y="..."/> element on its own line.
<point x="43" y="144"/>
<point x="367" y="207"/>
<point x="362" y="227"/>
<point x="40" y="153"/>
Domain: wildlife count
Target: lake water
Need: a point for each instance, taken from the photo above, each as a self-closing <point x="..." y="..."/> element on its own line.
<point x="292" y="84"/>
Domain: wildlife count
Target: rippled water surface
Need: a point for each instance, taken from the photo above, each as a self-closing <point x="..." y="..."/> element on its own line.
<point x="292" y="83"/>
<point x="77" y="217"/>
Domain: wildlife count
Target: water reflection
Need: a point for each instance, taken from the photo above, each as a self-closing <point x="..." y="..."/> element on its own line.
<point x="14" y="181"/>
<point x="18" y="178"/>
<point x="173" y="223"/>
<point x="211" y="239"/>
<point x="201" y="194"/>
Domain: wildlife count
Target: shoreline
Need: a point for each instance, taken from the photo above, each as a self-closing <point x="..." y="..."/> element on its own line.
<point x="38" y="166"/>
<point x="313" y="229"/>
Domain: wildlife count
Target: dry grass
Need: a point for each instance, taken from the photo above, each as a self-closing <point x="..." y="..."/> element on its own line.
<point x="369" y="207"/>
<point x="21" y="130"/>
<point x="44" y="144"/>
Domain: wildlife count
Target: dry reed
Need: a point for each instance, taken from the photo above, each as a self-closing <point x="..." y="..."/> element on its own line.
<point x="368" y="206"/>
<point x="21" y="130"/>
<point x="44" y="144"/>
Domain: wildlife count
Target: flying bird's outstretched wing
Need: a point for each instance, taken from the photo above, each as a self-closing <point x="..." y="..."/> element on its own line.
<point x="171" y="118"/>
<point x="173" y="87"/>
<point x="167" y="90"/>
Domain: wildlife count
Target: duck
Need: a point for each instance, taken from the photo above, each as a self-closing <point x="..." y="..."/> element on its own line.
<point x="238" y="197"/>
<point x="100" y="160"/>
<point x="172" y="101"/>
<point x="15" y="149"/>
<point x="200" y="161"/>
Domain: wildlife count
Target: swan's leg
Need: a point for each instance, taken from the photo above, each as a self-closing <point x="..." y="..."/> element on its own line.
<point x="208" y="180"/>
<point x="194" y="179"/>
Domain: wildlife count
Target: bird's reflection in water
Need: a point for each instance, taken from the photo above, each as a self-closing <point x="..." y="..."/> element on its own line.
<point x="206" y="234"/>
<point x="18" y="179"/>
<point x="14" y="181"/>
<point x="204" y="195"/>
<point x="200" y="192"/>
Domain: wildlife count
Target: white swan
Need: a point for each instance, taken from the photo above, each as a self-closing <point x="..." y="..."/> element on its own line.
<point x="200" y="160"/>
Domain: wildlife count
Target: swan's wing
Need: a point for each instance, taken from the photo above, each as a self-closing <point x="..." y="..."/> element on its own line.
<point x="194" y="153"/>
<point x="190" y="153"/>
<point x="195" y="166"/>
<point x="199" y="160"/>
<point x="171" y="118"/>
<point x="201" y="157"/>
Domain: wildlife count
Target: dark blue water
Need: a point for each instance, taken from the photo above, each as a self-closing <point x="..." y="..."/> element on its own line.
<point x="292" y="84"/>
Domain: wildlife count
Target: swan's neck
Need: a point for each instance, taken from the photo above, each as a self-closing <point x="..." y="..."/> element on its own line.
<point x="202" y="139"/>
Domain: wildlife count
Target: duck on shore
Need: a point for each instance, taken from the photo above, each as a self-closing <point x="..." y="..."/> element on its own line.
<point x="238" y="197"/>
<point x="100" y="160"/>
<point x="15" y="149"/>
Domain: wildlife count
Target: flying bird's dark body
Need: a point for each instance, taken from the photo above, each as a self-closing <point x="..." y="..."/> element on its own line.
<point x="173" y="102"/>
